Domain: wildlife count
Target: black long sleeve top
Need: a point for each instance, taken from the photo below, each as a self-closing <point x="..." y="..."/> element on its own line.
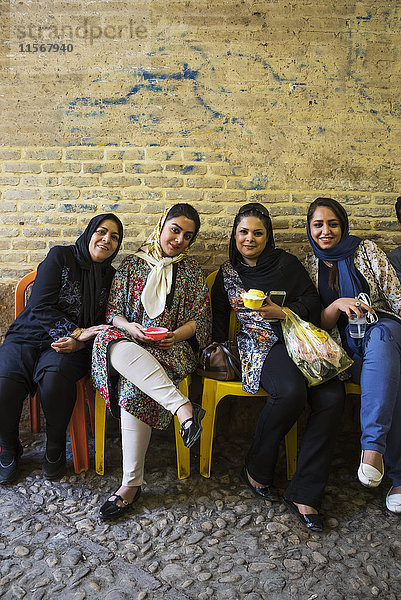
<point x="54" y="306"/>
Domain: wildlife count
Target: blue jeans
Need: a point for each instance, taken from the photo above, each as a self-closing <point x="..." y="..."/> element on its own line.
<point x="381" y="394"/>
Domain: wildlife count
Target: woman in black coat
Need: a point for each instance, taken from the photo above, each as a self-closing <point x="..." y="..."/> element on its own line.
<point x="49" y="344"/>
<point x="256" y="264"/>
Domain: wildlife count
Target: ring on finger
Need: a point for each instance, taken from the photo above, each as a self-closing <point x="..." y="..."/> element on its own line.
<point x="357" y="303"/>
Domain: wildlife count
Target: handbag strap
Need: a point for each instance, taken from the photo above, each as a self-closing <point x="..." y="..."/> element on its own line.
<point x="232" y="359"/>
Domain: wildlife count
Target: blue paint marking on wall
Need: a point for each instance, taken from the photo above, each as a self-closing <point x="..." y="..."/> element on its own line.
<point x="201" y="93"/>
<point x="186" y="73"/>
<point x="215" y="113"/>
<point x="68" y="208"/>
<point x="364" y="18"/>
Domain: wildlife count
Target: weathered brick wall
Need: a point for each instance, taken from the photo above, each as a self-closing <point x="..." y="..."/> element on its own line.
<point x="214" y="103"/>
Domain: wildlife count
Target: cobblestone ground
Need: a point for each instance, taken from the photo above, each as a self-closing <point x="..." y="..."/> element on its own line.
<point x="195" y="538"/>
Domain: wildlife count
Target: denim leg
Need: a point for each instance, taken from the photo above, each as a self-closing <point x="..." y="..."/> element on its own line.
<point x="381" y="393"/>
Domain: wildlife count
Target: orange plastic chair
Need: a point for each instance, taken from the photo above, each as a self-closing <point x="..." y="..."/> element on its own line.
<point x="214" y="391"/>
<point x="183" y="455"/>
<point x="78" y="422"/>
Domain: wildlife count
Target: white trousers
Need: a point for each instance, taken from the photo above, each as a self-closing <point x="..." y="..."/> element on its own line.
<point x="135" y="436"/>
<point x="141" y="368"/>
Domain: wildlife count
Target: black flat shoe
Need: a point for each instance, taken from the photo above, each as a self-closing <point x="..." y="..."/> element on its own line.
<point x="311" y="522"/>
<point x="191" y="433"/>
<point x="109" y="511"/>
<point x="267" y="493"/>
<point x="9" y="464"/>
<point x="53" y="468"/>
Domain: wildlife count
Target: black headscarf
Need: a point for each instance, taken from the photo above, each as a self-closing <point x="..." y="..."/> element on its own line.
<point x="264" y="274"/>
<point x="94" y="275"/>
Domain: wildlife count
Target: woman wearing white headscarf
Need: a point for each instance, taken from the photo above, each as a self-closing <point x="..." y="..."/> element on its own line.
<point x="157" y="286"/>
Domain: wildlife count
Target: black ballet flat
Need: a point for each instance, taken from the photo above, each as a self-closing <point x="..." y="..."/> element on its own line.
<point x="9" y="464"/>
<point x="191" y="433"/>
<point x="267" y="492"/>
<point x="110" y="511"/>
<point x="311" y="522"/>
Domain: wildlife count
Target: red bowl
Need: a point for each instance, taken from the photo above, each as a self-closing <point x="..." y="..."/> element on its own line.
<point x="156" y="333"/>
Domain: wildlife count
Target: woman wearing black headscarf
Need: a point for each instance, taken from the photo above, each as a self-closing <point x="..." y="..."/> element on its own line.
<point x="49" y="344"/>
<point x="255" y="263"/>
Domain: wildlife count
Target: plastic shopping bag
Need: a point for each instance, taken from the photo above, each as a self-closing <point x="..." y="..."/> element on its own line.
<point x="315" y="353"/>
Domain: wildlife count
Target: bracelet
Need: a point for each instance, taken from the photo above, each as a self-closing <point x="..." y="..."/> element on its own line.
<point x="76" y="333"/>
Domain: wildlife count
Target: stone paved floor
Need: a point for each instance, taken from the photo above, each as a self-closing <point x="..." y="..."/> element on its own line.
<point x="193" y="539"/>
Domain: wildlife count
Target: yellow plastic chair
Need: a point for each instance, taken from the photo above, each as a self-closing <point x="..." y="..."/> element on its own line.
<point x="214" y="391"/>
<point x="183" y="457"/>
<point x="352" y="388"/>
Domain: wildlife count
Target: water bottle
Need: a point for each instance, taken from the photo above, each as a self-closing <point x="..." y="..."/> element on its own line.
<point x="357" y="327"/>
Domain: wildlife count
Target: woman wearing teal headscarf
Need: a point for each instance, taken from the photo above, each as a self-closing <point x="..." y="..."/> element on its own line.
<point x="354" y="278"/>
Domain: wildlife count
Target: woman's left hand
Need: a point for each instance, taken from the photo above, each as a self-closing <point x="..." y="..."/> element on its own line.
<point x="92" y="332"/>
<point x="66" y="345"/>
<point x="270" y="310"/>
<point x="168" y="341"/>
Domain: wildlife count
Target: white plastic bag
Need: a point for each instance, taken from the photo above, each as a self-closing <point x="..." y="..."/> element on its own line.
<point x="314" y="352"/>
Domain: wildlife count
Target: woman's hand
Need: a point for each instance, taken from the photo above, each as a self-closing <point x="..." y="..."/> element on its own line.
<point x="270" y="310"/>
<point x="182" y="333"/>
<point x="352" y="307"/>
<point x="66" y="345"/>
<point x="168" y="341"/>
<point x="92" y="332"/>
<point x="136" y="331"/>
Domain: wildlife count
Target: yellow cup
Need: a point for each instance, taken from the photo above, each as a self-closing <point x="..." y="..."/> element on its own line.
<point x="253" y="298"/>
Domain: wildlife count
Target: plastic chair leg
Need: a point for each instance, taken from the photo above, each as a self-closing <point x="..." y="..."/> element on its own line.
<point x="291" y="450"/>
<point x="90" y="394"/>
<point x="100" y="432"/>
<point x="183" y="454"/>
<point x="209" y="403"/>
<point x="34" y="410"/>
<point x="79" y="432"/>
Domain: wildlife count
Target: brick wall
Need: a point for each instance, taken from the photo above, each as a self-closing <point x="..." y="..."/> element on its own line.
<point x="214" y="103"/>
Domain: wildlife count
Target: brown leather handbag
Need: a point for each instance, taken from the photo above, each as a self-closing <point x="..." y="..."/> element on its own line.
<point x="220" y="360"/>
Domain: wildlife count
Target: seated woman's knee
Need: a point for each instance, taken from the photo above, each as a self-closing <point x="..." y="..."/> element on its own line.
<point x="289" y="392"/>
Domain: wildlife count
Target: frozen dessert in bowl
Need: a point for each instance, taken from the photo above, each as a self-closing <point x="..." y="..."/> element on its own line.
<point x="253" y="298"/>
<point x="156" y="333"/>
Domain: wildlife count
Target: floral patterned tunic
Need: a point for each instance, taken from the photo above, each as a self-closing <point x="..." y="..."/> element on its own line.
<point x="371" y="261"/>
<point x="190" y="303"/>
<point x="256" y="337"/>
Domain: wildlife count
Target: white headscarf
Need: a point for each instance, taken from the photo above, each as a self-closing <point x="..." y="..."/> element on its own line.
<point x="158" y="284"/>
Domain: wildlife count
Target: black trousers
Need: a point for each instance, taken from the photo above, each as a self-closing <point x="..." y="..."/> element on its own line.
<point x="289" y="394"/>
<point x="23" y="368"/>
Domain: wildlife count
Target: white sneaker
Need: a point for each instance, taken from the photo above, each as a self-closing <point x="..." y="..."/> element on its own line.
<point x="369" y="476"/>
<point x="393" y="502"/>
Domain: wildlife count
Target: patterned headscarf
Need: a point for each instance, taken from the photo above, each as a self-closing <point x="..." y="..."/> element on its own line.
<point x="158" y="284"/>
